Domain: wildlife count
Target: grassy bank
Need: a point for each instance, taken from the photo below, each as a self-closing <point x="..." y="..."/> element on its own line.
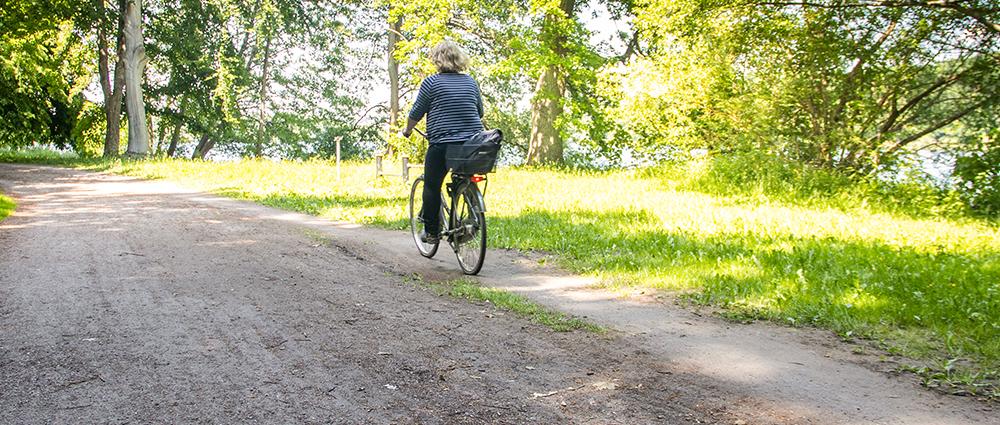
<point x="846" y="260"/>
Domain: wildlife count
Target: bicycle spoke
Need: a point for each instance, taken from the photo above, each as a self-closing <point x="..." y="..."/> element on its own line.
<point x="416" y="222"/>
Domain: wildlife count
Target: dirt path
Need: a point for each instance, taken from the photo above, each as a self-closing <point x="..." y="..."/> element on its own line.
<point x="134" y="301"/>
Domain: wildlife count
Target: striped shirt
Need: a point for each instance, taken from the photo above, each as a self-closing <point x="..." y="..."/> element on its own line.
<point x="453" y="105"/>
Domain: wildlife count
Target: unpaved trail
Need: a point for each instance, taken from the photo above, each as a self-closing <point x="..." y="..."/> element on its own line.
<point x="124" y="300"/>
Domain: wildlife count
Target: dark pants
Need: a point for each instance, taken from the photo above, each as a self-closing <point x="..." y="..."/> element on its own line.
<point x="434" y="171"/>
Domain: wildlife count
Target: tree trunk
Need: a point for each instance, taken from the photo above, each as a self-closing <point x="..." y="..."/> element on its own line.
<point x="174" y="139"/>
<point x="161" y="134"/>
<point x="394" y="28"/>
<point x="204" y="145"/>
<point x="393" y="68"/>
<point x="113" y="90"/>
<point x="546" y="144"/>
<point x="135" y="62"/>
<point x="258" y="149"/>
<point x="176" y="136"/>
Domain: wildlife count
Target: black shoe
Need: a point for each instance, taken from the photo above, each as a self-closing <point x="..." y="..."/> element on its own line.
<point x="429" y="238"/>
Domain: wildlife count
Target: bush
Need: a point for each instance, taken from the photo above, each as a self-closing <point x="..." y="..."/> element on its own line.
<point x="978" y="176"/>
<point x="88" y="133"/>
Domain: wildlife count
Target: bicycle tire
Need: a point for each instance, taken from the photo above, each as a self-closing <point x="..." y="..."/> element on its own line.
<point x="470" y="243"/>
<point x="416" y="203"/>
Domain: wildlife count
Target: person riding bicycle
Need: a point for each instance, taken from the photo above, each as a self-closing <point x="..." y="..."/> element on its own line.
<point x="454" y="108"/>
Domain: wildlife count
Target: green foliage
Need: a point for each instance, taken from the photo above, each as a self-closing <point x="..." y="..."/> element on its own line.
<point x="516" y="127"/>
<point x="88" y="133"/>
<point x="832" y="84"/>
<point x="41" y="77"/>
<point x="978" y="173"/>
<point x="259" y="78"/>
<point x="7" y="206"/>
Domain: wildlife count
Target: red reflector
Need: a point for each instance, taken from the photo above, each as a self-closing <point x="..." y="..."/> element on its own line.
<point x="477" y="179"/>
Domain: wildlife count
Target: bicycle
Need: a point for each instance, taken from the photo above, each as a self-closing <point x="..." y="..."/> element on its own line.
<point x="463" y="220"/>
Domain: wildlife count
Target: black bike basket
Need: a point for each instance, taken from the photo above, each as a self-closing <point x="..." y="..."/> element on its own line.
<point x="476" y="156"/>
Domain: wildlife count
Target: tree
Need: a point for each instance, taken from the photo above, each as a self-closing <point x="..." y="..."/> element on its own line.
<point x="135" y="62"/>
<point x="112" y="89"/>
<point x="546" y="143"/>
<point x="834" y="83"/>
<point x="42" y="75"/>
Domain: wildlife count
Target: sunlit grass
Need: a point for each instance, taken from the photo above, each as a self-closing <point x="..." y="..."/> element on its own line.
<point x="516" y="304"/>
<point x="6" y="206"/>
<point x="927" y="286"/>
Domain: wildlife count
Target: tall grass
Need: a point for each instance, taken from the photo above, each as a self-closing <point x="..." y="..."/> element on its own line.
<point x="765" y="242"/>
<point x="41" y="156"/>
<point x="753" y="177"/>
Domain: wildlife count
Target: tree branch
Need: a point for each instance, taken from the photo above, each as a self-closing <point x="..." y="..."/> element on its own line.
<point x="934" y="127"/>
<point x="632" y="49"/>
<point x="890" y="121"/>
<point x="978" y="14"/>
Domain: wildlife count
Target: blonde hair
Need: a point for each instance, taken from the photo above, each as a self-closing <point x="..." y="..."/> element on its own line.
<point x="449" y="57"/>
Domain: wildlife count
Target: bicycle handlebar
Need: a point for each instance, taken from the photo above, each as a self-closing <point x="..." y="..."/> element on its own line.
<point x="421" y="133"/>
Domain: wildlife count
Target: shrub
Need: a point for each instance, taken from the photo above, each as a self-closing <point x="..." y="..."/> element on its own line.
<point x="978" y="176"/>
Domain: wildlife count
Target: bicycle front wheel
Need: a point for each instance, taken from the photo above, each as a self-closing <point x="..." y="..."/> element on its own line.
<point x="416" y="222"/>
<point x="469" y="240"/>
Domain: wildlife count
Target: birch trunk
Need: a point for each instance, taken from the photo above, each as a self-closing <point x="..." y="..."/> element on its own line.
<point x="135" y="62"/>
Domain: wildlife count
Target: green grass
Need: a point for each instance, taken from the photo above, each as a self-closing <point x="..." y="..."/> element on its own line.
<point x="559" y="322"/>
<point x="6" y="206"/>
<point x="42" y="156"/>
<point x="794" y="246"/>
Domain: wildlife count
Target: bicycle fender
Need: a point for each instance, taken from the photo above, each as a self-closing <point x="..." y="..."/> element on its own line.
<point x="480" y="198"/>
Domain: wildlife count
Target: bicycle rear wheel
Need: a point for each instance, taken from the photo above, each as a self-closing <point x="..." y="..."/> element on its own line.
<point x="469" y="241"/>
<point x="416" y="222"/>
